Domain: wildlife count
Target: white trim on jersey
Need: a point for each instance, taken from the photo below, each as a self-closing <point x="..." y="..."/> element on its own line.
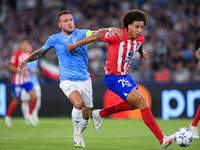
<point x="106" y="36"/>
<point x="120" y="54"/>
<point x="105" y="67"/>
<point x="134" y="46"/>
<point x="128" y="50"/>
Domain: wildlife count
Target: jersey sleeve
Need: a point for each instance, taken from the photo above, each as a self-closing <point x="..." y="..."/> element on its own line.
<point x="49" y="43"/>
<point x="109" y="37"/>
<point x="142" y="39"/>
<point x="88" y="33"/>
<point x="13" y="60"/>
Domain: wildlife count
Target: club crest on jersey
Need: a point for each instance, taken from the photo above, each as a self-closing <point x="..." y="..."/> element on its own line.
<point x="74" y="40"/>
<point x="129" y="57"/>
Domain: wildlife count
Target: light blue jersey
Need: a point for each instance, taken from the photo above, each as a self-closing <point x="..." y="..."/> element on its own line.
<point x="72" y="67"/>
<point x="33" y="67"/>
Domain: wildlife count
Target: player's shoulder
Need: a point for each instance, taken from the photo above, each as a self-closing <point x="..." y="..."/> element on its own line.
<point x="55" y="37"/>
<point x="80" y="33"/>
<point x="80" y="30"/>
<point x="141" y="37"/>
<point x="17" y="52"/>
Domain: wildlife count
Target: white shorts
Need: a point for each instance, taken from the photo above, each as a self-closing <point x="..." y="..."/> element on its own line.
<point x="25" y="96"/>
<point x="83" y="87"/>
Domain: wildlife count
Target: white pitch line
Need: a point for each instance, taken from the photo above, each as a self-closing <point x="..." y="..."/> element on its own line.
<point x="51" y="137"/>
<point x="55" y="137"/>
<point x="8" y="138"/>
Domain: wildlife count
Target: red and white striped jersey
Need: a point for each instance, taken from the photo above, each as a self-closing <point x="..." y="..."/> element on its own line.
<point x="120" y="52"/>
<point x="18" y="78"/>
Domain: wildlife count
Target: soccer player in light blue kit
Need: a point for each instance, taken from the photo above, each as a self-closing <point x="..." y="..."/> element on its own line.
<point x="75" y="79"/>
<point x="25" y="97"/>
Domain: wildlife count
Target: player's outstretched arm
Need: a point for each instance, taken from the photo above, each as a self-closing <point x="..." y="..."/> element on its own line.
<point x="34" y="56"/>
<point x="95" y="36"/>
<point x="198" y="54"/>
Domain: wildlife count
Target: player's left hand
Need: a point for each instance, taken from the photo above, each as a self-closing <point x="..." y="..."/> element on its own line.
<point x="70" y="48"/>
<point x="145" y="54"/>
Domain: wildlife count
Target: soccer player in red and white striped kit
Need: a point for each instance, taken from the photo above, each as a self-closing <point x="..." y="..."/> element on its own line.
<point x="20" y="80"/>
<point x="117" y="79"/>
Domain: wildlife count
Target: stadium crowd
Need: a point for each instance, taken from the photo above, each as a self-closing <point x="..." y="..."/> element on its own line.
<point x="172" y="33"/>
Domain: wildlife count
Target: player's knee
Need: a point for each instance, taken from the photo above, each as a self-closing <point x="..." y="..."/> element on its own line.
<point x="78" y="104"/>
<point x="16" y="101"/>
<point x="34" y="97"/>
<point x="142" y="103"/>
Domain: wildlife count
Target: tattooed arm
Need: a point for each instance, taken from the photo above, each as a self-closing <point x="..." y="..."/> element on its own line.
<point x="34" y="56"/>
<point x="95" y="36"/>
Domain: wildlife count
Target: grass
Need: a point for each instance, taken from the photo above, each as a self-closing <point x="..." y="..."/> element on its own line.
<point x="56" y="134"/>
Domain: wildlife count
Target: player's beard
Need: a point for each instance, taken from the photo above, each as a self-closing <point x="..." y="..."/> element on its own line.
<point x="68" y="32"/>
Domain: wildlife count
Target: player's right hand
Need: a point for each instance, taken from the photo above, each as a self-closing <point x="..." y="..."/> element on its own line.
<point x="22" y="64"/>
<point x="70" y="48"/>
<point x="145" y="54"/>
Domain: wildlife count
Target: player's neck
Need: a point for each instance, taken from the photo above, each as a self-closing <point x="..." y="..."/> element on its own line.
<point x="22" y="50"/>
<point x="130" y="36"/>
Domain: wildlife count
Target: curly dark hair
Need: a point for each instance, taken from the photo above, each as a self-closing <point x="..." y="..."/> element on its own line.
<point x="63" y="12"/>
<point x="134" y="15"/>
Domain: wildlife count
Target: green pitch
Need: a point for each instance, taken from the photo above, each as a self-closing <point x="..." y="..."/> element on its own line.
<point x="57" y="134"/>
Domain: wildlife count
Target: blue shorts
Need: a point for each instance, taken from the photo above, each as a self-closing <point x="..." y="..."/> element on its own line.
<point x="121" y="85"/>
<point x="17" y="89"/>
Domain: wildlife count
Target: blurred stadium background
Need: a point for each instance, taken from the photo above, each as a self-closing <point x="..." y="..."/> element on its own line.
<point x="172" y="38"/>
